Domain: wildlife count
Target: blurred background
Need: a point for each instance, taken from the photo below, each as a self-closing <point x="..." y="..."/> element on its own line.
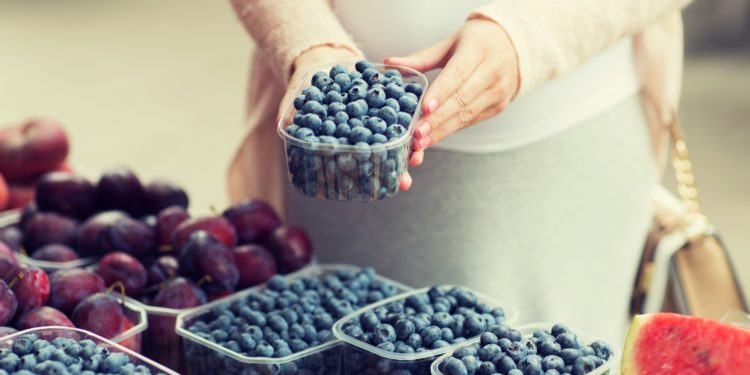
<point x="159" y="85"/>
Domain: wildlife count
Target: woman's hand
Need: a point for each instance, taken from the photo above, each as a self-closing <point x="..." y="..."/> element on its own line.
<point x="307" y="60"/>
<point x="479" y="78"/>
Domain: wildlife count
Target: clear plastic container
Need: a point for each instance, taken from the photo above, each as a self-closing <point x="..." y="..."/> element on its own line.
<point x="610" y="367"/>
<point x="49" y="333"/>
<point x="203" y="356"/>
<point x="361" y="357"/>
<point x="12" y="218"/>
<point x="132" y="337"/>
<point x="348" y="172"/>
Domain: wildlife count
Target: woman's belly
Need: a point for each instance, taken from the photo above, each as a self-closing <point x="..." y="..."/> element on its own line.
<point x="386" y="28"/>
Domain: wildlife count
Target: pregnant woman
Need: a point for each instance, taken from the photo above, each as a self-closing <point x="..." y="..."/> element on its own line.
<point x="535" y="159"/>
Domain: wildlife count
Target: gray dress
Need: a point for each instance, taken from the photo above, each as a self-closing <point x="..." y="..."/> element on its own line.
<point x="554" y="228"/>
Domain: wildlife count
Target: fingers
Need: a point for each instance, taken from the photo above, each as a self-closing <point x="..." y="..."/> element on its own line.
<point x="416" y="158"/>
<point x="457" y="70"/>
<point x="429" y="58"/>
<point x="476" y="85"/>
<point x="405" y="182"/>
<point x="486" y="105"/>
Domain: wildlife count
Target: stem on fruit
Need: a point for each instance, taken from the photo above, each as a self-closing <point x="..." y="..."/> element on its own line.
<point x="118" y="284"/>
<point x="213" y="210"/>
<point x="165" y="249"/>
<point x="203" y="280"/>
<point x="20" y="276"/>
<point x="154" y="287"/>
<point x="22" y="251"/>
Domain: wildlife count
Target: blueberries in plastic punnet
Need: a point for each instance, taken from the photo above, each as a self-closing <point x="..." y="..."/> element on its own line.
<point x="503" y="350"/>
<point x="290" y="316"/>
<point x="357" y="94"/>
<point x="31" y="354"/>
<point x="438" y="318"/>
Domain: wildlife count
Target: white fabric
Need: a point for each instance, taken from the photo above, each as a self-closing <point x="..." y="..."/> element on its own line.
<point x="601" y="83"/>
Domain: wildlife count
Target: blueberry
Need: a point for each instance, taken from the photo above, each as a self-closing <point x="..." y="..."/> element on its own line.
<point x="324" y="82"/>
<point x="362" y="65"/>
<point x="343" y="80"/>
<point x="471" y="362"/>
<point x="486" y="368"/>
<point x="587" y="350"/>
<point x="531" y="365"/>
<point x="278" y="323"/>
<point x="552" y="372"/>
<point x="475" y="325"/>
<point x="447" y="334"/>
<point x="355" y="123"/>
<point x="356" y="92"/>
<point x="442" y="319"/>
<point x="354" y="75"/>
<point x="375" y="98"/>
<point x="338" y="69"/>
<point x="430" y="335"/>
<point x="299" y="101"/>
<point x="113" y="362"/>
<point x="392" y="103"/>
<point x="333" y="97"/>
<point x="342" y="130"/>
<point x="376" y="125"/>
<point x="388" y="115"/>
<point x="9" y="362"/>
<point x="489" y="352"/>
<point x="553" y="362"/>
<point x="570" y="355"/>
<point x="359" y="134"/>
<point x="335" y="108"/>
<point x="315" y="78"/>
<point x="385" y="333"/>
<point x="515" y="351"/>
<point x="387" y="346"/>
<point x="372" y="112"/>
<point x="371" y="76"/>
<point x="23" y="346"/>
<point x="369" y="321"/>
<point x="453" y="366"/>
<point x="414" y="340"/>
<point x="324" y="335"/>
<point x="404" y="328"/>
<point x="601" y="349"/>
<point x="504" y="363"/>
<point x="440" y="344"/>
<point x="219" y="335"/>
<point x="548" y="347"/>
<point x="414" y="88"/>
<point x="568" y="340"/>
<point x="559" y="329"/>
<point x="392" y="73"/>
<point x="408" y="103"/>
<point x="314" y="95"/>
<point x="584" y="365"/>
<point x="393" y="90"/>
<point x="488" y="338"/>
<point x="341" y="118"/>
<point x="27" y="362"/>
<point x="313" y="123"/>
<point x="355" y="109"/>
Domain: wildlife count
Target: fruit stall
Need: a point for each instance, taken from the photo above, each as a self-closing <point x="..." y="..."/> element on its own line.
<point x="103" y="272"/>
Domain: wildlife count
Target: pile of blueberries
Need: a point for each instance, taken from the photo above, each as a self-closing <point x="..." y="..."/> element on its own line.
<point x="421" y="322"/>
<point x="31" y="354"/>
<point x="363" y="108"/>
<point x="284" y="318"/>
<point x="504" y="351"/>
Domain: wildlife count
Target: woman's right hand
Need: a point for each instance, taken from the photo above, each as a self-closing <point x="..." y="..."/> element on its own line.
<point x="307" y="60"/>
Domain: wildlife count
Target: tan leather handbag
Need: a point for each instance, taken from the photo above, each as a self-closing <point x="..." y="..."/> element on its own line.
<point x="685" y="267"/>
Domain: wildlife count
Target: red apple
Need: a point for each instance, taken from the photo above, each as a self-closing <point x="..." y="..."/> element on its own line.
<point x="33" y="147"/>
<point x="4" y="199"/>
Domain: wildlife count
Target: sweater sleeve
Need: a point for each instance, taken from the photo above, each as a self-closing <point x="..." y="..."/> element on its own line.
<point x="283" y="29"/>
<point x="553" y="37"/>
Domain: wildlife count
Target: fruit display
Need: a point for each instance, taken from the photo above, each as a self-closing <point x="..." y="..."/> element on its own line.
<point x="76" y="297"/>
<point x="57" y="350"/>
<point x="421" y="325"/>
<point x="348" y="134"/>
<point x="662" y="343"/>
<point x="283" y="327"/>
<point x="27" y="151"/>
<point x="555" y="350"/>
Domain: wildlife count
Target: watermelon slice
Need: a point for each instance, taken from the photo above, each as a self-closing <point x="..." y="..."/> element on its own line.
<point x="667" y="344"/>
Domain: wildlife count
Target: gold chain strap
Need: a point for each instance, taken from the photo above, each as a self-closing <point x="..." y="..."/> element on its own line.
<point x="683" y="168"/>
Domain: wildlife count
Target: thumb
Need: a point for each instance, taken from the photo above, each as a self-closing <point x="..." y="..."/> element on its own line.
<point x="427" y="59"/>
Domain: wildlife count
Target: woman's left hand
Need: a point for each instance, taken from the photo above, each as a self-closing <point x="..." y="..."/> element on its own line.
<point x="479" y="78"/>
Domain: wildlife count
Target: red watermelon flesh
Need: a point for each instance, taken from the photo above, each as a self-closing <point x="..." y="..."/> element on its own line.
<point x="667" y="344"/>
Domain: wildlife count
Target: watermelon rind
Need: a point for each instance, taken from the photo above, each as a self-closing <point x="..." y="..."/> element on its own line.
<point x="628" y="366"/>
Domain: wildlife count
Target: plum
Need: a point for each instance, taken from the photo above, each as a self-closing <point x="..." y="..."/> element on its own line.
<point x="216" y="225"/>
<point x="37" y="145"/>
<point x="149" y="221"/>
<point x="55" y="253"/>
<point x="20" y="195"/>
<point x="46" y="228"/>
<point x="119" y="266"/>
<point x="180" y="293"/>
<point x="292" y="248"/>
<point x="256" y="265"/>
<point x="5" y="331"/>
<point x="28" y="212"/>
<point x="161" y="194"/>
<point x="205" y="255"/>
<point x="8" y="261"/>
<point x="254" y="220"/>
<point x="100" y="313"/>
<point x="164" y="268"/>
<point x="70" y="286"/>
<point x="4" y="194"/>
<point x="31" y="287"/>
<point x="66" y="193"/>
<point x="114" y="231"/>
<point x="8" y="303"/>
<point x="120" y="189"/>
<point x="11" y="236"/>
<point x="41" y="317"/>
<point x="166" y="222"/>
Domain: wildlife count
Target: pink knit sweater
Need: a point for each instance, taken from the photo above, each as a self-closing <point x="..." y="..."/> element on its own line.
<point x="551" y="38"/>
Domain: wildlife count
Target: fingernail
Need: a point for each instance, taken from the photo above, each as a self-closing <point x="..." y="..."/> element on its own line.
<point x="423" y="130"/>
<point x="432" y="105"/>
<point x="423" y="143"/>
